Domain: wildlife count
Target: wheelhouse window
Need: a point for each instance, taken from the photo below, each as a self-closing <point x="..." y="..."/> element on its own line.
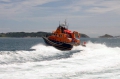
<point x="60" y="35"/>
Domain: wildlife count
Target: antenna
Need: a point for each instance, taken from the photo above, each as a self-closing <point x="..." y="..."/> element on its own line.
<point x="65" y="23"/>
<point x="59" y="23"/>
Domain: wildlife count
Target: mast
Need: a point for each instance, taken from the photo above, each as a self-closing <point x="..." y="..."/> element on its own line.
<point x="65" y="23"/>
<point x="59" y="23"/>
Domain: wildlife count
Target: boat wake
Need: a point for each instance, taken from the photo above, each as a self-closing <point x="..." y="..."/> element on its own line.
<point x="98" y="52"/>
<point x="40" y="53"/>
<point x="95" y="60"/>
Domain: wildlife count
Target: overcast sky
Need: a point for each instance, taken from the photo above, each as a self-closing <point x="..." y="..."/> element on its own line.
<point x="92" y="17"/>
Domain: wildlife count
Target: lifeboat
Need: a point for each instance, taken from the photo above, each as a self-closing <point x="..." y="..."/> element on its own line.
<point x="63" y="38"/>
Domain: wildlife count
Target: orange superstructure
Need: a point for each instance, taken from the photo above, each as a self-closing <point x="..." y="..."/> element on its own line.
<point x="62" y="34"/>
<point x="63" y="38"/>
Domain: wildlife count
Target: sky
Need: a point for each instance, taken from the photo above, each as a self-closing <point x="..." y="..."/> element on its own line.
<point x="92" y="17"/>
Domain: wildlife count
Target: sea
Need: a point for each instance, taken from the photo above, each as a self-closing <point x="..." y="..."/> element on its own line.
<point x="31" y="58"/>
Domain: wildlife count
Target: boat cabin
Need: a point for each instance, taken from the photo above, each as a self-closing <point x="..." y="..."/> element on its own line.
<point x="62" y="34"/>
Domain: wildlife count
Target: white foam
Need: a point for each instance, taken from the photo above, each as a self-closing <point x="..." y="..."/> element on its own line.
<point x="40" y="53"/>
<point x="93" y="62"/>
<point x="98" y="56"/>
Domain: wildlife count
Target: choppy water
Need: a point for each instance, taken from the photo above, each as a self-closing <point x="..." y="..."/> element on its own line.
<point x="99" y="60"/>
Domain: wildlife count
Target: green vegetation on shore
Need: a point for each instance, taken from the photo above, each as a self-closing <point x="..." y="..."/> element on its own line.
<point x="84" y="35"/>
<point x="106" y="36"/>
<point x="32" y="34"/>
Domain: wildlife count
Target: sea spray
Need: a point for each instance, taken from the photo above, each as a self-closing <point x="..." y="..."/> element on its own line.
<point x="98" y="56"/>
<point x="95" y="61"/>
<point x="41" y="53"/>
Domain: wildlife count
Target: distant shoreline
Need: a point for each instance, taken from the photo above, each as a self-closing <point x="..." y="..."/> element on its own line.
<point x="31" y="34"/>
<point x="108" y="36"/>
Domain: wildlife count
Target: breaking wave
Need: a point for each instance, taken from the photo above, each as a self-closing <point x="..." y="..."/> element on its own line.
<point x="94" y="61"/>
<point x="40" y="53"/>
<point x="93" y="52"/>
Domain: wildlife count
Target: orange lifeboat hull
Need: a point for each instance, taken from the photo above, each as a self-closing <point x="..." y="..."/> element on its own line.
<point x="59" y="45"/>
<point x="63" y="38"/>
